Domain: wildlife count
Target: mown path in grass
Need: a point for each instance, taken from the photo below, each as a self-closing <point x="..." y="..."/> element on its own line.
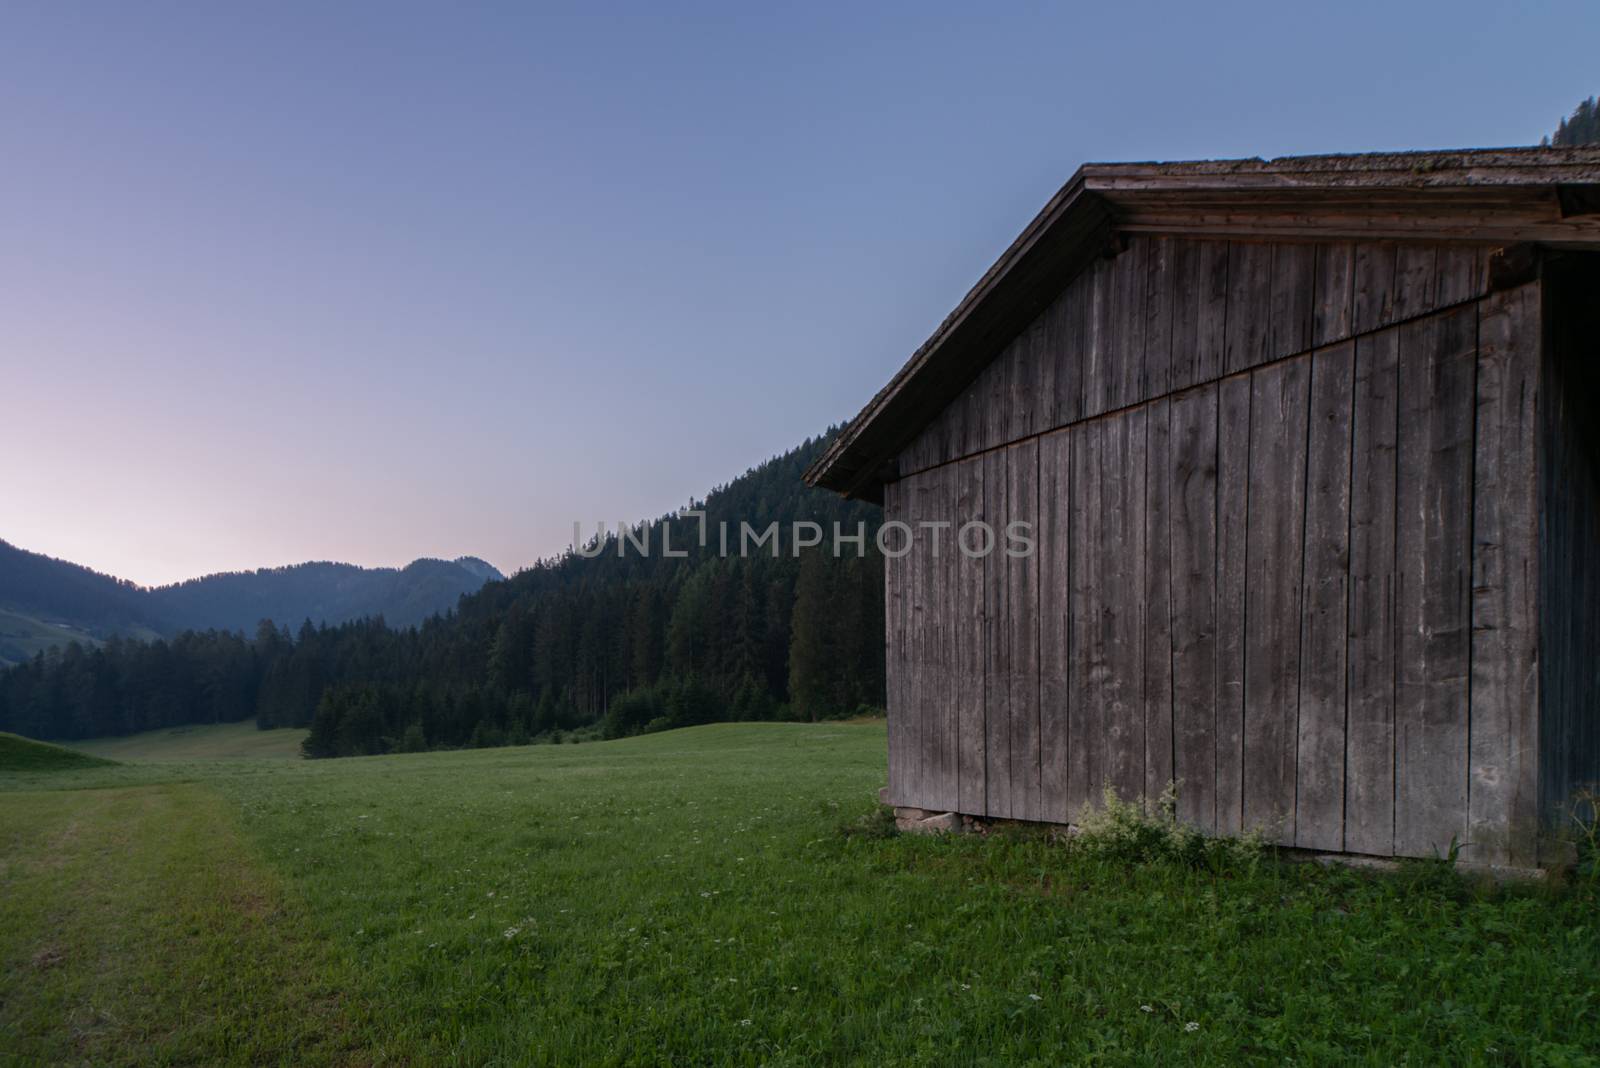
<point x="713" y="896"/>
<point x="140" y="928"/>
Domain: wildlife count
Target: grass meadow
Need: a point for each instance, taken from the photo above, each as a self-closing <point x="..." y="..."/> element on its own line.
<point x="726" y="894"/>
<point x="223" y="741"/>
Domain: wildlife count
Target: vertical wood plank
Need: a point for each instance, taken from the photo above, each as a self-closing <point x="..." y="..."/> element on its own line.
<point x="997" y="418"/>
<point x="1120" y="550"/>
<point x="1460" y="273"/>
<point x="916" y="654"/>
<point x="950" y="607"/>
<point x="971" y="650"/>
<point x="895" y="646"/>
<point x="1319" y="793"/>
<point x="1233" y="517"/>
<point x="1160" y="279"/>
<point x="1127" y="326"/>
<point x="917" y="455"/>
<point x="1416" y="280"/>
<point x="1086" y="660"/>
<point x="1106" y="729"/>
<point x="1115" y="331"/>
<point x="1193" y="541"/>
<point x="1158" y="582"/>
<point x="1369" y="771"/>
<point x="1334" y="303"/>
<point x="1022" y="639"/>
<point x="1279" y="399"/>
<point x="1022" y="384"/>
<point x="1199" y="306"/>
<point x="918" y="776"/>
<point x="1055" y="681"/>
<point x="1097" y="342"/>
<point x="1433" y="545"/>
<point x="965" y="433"/>
<point x="1249" y="310"/>
<point x="936" y="773"/>
<point x="1046" y="365"/>
<point x="997" y="672"/>
<point x="1069" y="345"/>
<point x="911" y="737"/>
<point x="1293" y="277"/>
<point x="1504" y="741"/>
<point x="1374" y="285"/>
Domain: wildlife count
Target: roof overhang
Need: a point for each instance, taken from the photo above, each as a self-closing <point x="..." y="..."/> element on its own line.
<point x="1486" y="196"/>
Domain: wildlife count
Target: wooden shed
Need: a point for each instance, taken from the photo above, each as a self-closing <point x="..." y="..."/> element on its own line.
<point x="1308" y="451"/>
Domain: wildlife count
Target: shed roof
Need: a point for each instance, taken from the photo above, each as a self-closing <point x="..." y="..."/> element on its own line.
<point x="1495" y="196"/>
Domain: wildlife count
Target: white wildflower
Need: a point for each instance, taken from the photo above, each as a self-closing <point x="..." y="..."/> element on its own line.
<point x="1035" y="997"/>
<point x="1146" y="1008"/>
<point x="1192" y="1025"/>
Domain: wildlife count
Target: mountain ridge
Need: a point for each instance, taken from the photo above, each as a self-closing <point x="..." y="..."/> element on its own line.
<point x="46" y="601"/>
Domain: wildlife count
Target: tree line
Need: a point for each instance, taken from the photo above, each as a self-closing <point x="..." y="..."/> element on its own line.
<point x="1582" y="127"/>
<point x="604" y="642"/>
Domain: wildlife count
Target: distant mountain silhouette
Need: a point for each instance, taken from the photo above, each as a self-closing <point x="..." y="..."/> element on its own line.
<point x="45" y="601"/>
<point x="323" y="592"/>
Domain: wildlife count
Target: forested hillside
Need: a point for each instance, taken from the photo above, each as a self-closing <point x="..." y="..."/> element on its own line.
<point x="614" y="642"/>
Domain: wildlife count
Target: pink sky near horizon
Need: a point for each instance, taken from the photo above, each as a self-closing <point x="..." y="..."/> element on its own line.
<point x="386" y="281"/>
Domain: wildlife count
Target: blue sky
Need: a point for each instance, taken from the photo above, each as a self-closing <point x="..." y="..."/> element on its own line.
<point x="375" y="281"/>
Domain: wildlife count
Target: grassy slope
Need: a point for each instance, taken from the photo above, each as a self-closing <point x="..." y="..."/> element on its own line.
<point x="690" y="896"/>
<point x="26" y="755"/>
<point x="222" y="741"/>
<point x="22" y="636"/>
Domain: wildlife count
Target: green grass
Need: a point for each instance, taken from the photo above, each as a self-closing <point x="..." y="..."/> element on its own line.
<point x="221" y="741"/>
<point x="26" y="755"/>
<point x="141" y="929"/>
<point x="726" y="895"/>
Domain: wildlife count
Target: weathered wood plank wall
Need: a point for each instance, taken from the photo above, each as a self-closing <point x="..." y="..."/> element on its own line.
<point x="1433" y="548"/>
<point x="1170" y="313"/>
<point x="1257" y="571"/>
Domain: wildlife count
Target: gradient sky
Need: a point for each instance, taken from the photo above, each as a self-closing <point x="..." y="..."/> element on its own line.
<point x="369" y="282"/>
